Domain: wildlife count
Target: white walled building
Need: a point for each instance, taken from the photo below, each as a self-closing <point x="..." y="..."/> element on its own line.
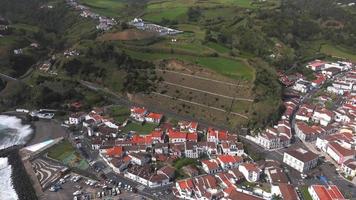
<point x="300" y="159"/>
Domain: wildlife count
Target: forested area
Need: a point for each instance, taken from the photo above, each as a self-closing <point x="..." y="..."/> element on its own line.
<point x="101" y="58"/>
<point x="294" y="26"/>
<point x="267" y="91"/>
<point x="21" y="181"/>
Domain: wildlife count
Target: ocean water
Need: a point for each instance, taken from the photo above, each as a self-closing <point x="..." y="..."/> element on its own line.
<point x="7" y="191"/>
<point x="13" y="132"/>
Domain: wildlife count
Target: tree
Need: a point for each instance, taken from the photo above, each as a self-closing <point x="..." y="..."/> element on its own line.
<point x="276" y="197"/>
<point x="193" y="13"/>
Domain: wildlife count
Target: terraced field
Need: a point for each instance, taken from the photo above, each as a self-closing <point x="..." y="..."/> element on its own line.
<point x="201" y="93"/>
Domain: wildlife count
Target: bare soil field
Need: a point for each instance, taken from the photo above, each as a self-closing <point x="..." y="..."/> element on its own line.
<point x="129" y="34"/>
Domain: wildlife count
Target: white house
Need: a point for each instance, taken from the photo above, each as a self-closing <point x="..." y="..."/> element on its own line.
<point x="229" y="162"/>
<point x="250" y="171"/>
<point x="300" y="159"/>
<point x="139" y="158"/>
<point x="339" y="153"/>
<point x="349" y="168"/>
<point x="323" y="192"/>
<point x="146" y="177"/>
<point x="138" y="113"/>
<point x="302" y="86"/>
<point x="154" y="118"/>
<point x="76" y="118"/>
<point x="210" y="166"/>
<point x="323" y="116"/>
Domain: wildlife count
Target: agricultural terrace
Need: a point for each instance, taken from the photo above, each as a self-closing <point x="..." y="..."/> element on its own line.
<point x="65" y="153"/>
<point x="200" y="93"/>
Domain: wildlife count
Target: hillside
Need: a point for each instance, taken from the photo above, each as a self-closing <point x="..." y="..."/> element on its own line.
<point x="221" y="69"/>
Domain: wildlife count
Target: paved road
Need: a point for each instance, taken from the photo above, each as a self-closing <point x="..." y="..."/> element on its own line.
<point x="8" y="78"/>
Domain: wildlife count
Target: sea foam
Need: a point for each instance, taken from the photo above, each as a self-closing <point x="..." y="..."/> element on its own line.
<point x="7" y="191"/>
<point x="13" y="132"/>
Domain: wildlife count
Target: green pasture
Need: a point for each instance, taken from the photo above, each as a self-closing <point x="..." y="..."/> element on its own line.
<point x="65" y="153"/>
<point x="144" y="129"/>
<point x="337" y="51"/>
<point x="105" y="7"/>
<point x="119" y="113"/>
<point x="217" y="47"/>
<point x="232" y="68"/>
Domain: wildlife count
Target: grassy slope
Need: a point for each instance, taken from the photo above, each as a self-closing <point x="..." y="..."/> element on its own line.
<point x="61" y="150"/>
<point x="231" y="68"/>
<point x="105" y="7"/>
<point x="337" y="51"/>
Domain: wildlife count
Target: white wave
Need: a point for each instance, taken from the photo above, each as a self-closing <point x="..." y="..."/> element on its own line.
<point x="11" y="138"/>
<point x="7" y="191"/>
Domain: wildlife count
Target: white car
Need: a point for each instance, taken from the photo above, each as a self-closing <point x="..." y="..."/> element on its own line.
<point x="78" y="192"/>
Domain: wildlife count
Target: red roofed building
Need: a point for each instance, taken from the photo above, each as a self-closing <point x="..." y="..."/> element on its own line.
<point x="339" y="153"/>
<point x="323" y="116"/>
<point x="322" y="192"/>
<point x="154" y="118"/>
<point x="250" y="171"/>
<point x="229" y="162"/>
<point x="176" y="136"/>
<point x="216" y="136"/>
<point x="349" y="168"/>
<point x="286" y="191"/>
<point x="138" y="113"/>
<point x="210" y="166"/>
<point x="232" y="148"/>
<point x="316" y="65"/>
<point x="308" y="133"/>
<point x="115" y="152"/>
<point x="157" y="136"/>
<point x="226" y="179"/>
<point x="193" y="137"/>
<point x="141" y="140"/>
<point x="191" y="127"/>
<point x="185" y="186"/>
<point x="231" y="193"/>
<point x="320" y="79"/>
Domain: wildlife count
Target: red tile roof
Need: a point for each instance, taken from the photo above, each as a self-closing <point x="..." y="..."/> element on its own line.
<point x="251" y="167"/>
<point x="328" y="193"/>
<point x="229" y="159"/>
<point x="288" y="192"/>
<point x="176" y="134"/>
<point x="115" y="151"/>
<point x="340" y="150"/>
<point x="192" y="136"/>
<point x="154" y="116"/>
<point x="186" y="184"/>
<point x="210" y="164"/>
<point x="138" y="110"/>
